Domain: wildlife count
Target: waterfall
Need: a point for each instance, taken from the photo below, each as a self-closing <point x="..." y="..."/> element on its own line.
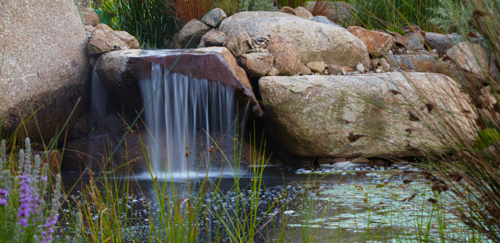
<point x="183" y="117"/>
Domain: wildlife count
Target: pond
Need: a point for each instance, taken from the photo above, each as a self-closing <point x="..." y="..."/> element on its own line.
<point x="276" y="204"/>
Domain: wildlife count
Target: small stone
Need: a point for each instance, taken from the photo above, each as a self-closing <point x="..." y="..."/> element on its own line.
<point x="335" y="70"/>
<point x="375" y="61"/>
<point x="288" y="10"/>
<point x="273" y="72"/>
<point x="360" y="68"/>
<point x="192" y="32"/>
<point x="214" y="17"/>
<point x="238" y="42"/>
<point x="304" y="70"/>
<point x="415" y="41"/>
<point x="127" y="38"/>
<point x="257" y="64"/>
<point x="213" y="38"/>
<point x="378" y="43"/>
<point x="103" y="27"/>
<point x="88" y="16"/>
<point x="318" y="67"/>
<point x="303" y="13"/>
<point x="385" y="65"/>
<point x="390" y="52"/>
<point x="379" y="70"/>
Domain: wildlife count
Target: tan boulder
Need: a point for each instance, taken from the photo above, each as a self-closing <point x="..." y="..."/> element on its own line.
<point x="103" y="27"/>
<point x="214" y="17"/>
<point x="88" y="16"/>
<point x="318" y="67"/>
<point x="288" y="10"/>
<point x="286" y="55"/>
<point x="304" y="70"/>
<point x="127" y="38"/>
<point x="44" y="68"/>
<point x="326" y="115"/>
<point x="257" y="64"/>
<point x="335" y="69"/>
<point x="213" y="38"/>
<point x="378" y="43"/>
<point x="303" y="13"/>
<point x="102" y="43"/>
<point x="238" y="42"/>
<point x="192" y="32"/>
<point x="315" y="41"/>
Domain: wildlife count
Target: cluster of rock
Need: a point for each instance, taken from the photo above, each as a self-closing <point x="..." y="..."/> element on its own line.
<point x="102" y="38"/>
<point x="317" y="111"/>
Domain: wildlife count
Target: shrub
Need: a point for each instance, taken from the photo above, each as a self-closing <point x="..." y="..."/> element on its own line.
<point x="186" y="10"/>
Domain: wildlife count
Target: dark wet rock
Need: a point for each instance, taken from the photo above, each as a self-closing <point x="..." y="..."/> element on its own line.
<point x="339" y="114"/>
<point x="315" y="41"/>
<point x="286" y="55"/>
<point x="378" y="43"/>
<point x="238" y="41"/>
<point x="44" y="67"/>
<point x="192" y="32"/>
<point x="92" y="153"/>
<point x="213" y="38"/>
<point x="257" y="64"/>
<point x="81" y="128"/>
<point x="119" y="72"/>
<point x="214" y="17"/>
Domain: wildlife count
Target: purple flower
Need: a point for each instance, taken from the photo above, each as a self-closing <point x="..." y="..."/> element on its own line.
<point x="3" y="197"/>
<point x="47" y="233"/>
<point x="43" y="178"/>
<point x="28" y="196"/>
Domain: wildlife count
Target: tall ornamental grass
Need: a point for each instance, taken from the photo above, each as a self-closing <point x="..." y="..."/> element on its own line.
<point x="150" y="21"/>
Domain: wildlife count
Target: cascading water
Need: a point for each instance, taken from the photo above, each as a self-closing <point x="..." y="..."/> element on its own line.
<point x="184" y="115"/>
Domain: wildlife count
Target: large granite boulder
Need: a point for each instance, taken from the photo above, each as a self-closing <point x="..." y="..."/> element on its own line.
<point x="119" y="72"/>
<point x="315" y="41"/>
<point x="44" y="68"/>
<point x="327" y="116"/>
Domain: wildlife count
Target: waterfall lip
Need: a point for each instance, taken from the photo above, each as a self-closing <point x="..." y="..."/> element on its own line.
<point x="120" y="72"/>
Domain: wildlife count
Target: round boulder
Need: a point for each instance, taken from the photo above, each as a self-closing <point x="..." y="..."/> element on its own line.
<point x="315" y="41"/>
<point x="257" y="64"/>
<point x="286" y="55"/>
